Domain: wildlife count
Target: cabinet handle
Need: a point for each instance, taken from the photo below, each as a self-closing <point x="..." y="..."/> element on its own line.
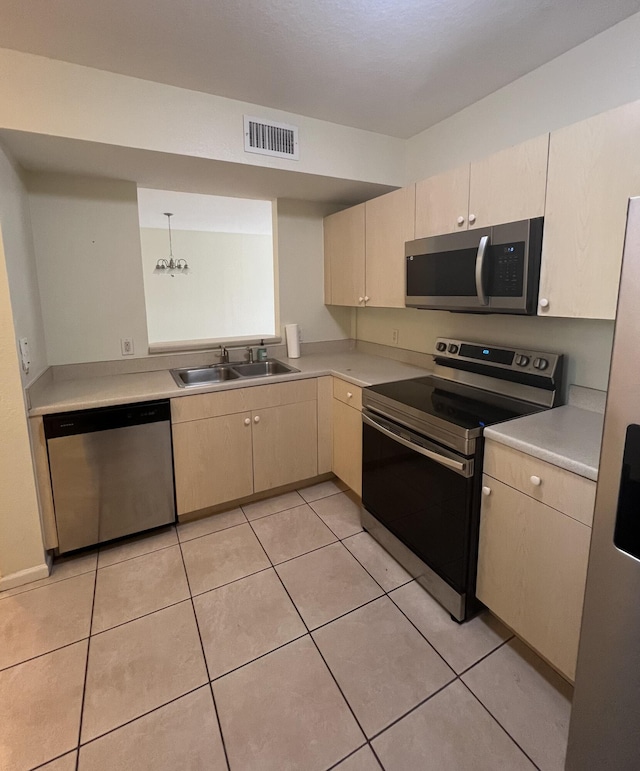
<point x="366" y="298"/>
<point x="486" y="491"/>
<point x="256" y="419"/>
<point x="360" y="299"/>
<point x="472" y="218"/>
<point x="536" y="481"/>
<point x="544" y="303"/>
<point x="460" y="220"/>
<point x="349" y="395"/>
<point x="247" y="421"/>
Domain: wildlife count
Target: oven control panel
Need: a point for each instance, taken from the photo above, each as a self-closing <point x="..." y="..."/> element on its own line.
<point x="516" y="359"/>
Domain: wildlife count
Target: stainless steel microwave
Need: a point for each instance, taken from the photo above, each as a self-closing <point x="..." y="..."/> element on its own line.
<point x="487" y="270"/>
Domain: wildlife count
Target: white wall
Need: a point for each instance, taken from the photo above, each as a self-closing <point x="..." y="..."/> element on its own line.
<point x="301" y="271"/>
<point x="87" y="244"/>
<point x="21" y="546"/>
<point x="601" y="73"/>
<point x="228" y="293"/>
<point x="46" y="96"/>
<point x="15" y="222"/>
<point x="586" y="343"/>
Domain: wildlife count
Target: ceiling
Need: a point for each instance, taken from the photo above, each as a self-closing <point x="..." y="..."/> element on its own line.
<point x="212" y="213"/>
<point x="391" y="66"/>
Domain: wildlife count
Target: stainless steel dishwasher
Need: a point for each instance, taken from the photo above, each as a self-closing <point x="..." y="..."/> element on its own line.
<point x="111" y="472"/>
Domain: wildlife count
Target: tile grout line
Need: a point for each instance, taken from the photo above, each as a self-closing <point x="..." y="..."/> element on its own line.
<point x="495" y="719"/>
<point x="204" y="656"/>
<point x="317" y="648"/>
<point x="45" y="653"/>
<point x="44" y="586"/>
<point x="486" y="655"/>
<point x="86" y="667"/>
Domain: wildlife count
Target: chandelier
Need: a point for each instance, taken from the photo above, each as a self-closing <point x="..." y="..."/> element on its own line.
<point x="171" y="267"/>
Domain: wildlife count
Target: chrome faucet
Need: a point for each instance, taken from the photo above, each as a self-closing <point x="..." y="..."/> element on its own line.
<point x="250" y="352"/>
<point x="224" y="355"/>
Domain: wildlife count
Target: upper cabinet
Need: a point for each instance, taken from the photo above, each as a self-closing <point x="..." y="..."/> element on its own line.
<point x="364" y="251"/>
<point x="344" y="257"/>
<point x="389" y="223"/>
<point x="505" y="187"/>
<point x="594" y="168"/>
<point x="442" y="203"/>
<point x="510" y="185"/>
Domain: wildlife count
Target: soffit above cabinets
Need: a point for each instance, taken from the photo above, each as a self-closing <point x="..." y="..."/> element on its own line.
<point x="394" y="67"/>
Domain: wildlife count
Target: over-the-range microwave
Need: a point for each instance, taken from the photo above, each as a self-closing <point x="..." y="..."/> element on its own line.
<point x="486" y="270"/>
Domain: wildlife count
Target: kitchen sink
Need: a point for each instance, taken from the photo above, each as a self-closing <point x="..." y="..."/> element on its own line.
<point x="263" y="368"/>
<point x="219" y="373"/>
<point x="203" y="375"/>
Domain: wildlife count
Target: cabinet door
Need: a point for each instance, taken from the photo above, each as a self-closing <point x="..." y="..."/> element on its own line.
<point x="285" y="444"/>
<point x="510" y="185"/>
<point x="594" y="168"/>
<point x="212" y="461"/>
<point x="532" y="568"/>
<point x="344" y="256"/>
<point x="347" y="445"/>
<point x="390" y="221"/>
<point x="442" y="203"/>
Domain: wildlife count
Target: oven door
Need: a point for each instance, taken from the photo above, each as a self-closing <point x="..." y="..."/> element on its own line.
<point x="423" y="494"/>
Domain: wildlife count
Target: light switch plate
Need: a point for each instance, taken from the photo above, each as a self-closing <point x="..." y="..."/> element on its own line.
<point x="23" y="343"/>
<point x="126" y="346"/>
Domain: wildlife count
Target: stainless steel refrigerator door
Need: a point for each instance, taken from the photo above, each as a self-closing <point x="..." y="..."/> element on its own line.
<point x="111" y="483"/>
<point x="605" y="721"/>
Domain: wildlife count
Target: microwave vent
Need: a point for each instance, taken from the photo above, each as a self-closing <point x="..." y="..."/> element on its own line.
<point x="278" y="139"/>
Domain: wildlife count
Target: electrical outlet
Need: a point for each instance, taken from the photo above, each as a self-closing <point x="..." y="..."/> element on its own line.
<point x="395" y="336"/>
<point x="126" y="346"/>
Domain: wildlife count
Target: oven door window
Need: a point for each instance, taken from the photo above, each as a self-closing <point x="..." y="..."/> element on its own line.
<point x="425" y="505"/>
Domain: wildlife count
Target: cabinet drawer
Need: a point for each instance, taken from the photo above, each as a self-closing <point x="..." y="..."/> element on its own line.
<point x="532" y="568"/>
<point x="348" y="393"/>
<point x="245" y="399"/>
<point x="562" y="490"/>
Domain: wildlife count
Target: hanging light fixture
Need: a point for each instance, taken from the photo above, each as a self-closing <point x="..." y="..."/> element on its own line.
<point x="171" y="267"/>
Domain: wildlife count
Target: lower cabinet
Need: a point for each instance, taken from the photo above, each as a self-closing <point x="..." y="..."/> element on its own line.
<point x="532" y="563"/>
<point x="347" y="434"/>
<point x="230" y="444"/>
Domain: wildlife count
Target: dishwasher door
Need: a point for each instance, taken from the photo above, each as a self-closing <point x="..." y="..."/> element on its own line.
<point x="111" y="472"/>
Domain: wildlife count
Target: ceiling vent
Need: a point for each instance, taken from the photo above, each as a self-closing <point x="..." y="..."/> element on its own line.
<point x="277" y="139"/>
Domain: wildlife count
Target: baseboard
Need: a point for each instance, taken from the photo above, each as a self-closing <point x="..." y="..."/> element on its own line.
<point x="24" y="577"/>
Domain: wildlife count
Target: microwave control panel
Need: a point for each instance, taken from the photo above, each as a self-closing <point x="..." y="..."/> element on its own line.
<point x="508" y="269"/>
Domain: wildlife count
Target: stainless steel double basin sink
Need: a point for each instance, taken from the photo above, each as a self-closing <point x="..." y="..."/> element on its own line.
<point x="190" y="377"/>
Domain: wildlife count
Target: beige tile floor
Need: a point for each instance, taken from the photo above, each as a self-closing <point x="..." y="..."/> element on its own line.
<point x="278" y="636"/>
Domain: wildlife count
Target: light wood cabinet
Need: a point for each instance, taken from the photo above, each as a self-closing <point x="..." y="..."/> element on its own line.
<point x="285" y="445"/>
<point x="594" y="168"/>
<point x="442" y="203"/>
<point x="509" y="185"/>
<point x="364" y="251"/>
<point x="532" y="559"/>
<point x="389" y="223"/>
<point x="505" y="187"/>
<point x="347" y="433"/>
<point x="212" y="461"/>
<point x="344" y="256"/>
<point x="229" y="444"/>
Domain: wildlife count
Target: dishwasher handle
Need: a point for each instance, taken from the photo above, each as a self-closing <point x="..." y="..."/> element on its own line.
<point x="462" y="467"/>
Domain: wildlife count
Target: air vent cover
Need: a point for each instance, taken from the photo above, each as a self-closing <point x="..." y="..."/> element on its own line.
<point x="271" y="138"/>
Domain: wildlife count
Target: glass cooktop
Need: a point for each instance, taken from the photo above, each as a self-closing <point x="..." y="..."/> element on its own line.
<point x="469" y="410"/>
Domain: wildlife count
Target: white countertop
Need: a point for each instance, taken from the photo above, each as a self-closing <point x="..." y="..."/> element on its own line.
<point x="568" y="437"/>
<point x="87" y="393"/>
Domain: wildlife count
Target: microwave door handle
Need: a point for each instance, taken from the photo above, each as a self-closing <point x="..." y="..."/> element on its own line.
<point x="480" y="257"/>
<point x="460" y="467"/>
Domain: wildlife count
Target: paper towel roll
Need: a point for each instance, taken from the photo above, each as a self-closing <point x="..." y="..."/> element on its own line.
<point x="292" y="336"/>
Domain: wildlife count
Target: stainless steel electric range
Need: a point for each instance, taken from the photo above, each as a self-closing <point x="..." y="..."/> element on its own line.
<point x="422" y="449"/>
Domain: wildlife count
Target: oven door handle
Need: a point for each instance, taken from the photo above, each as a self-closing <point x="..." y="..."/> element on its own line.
<point x="460" y="467"/>
<point x="482" y="251"/>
